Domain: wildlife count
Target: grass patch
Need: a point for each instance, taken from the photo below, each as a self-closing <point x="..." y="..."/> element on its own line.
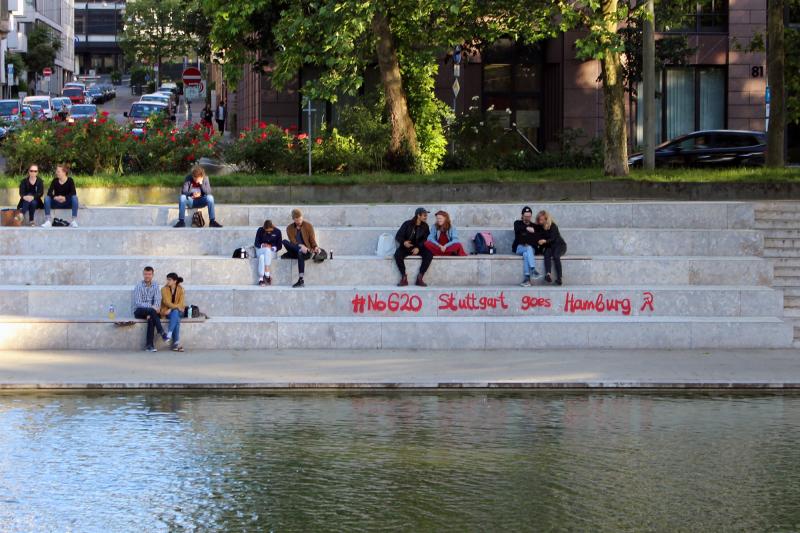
<point x="751" y="175"/>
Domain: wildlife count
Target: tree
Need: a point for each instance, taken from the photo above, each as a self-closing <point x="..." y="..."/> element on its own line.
<point x="199" y="27"/>
<point x="42" y="49"/>
<point x="155" y="30"/>
<point x="776" y="55"/>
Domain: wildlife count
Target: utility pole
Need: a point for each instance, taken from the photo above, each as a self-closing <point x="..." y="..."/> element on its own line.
<point x="649" y="86"/>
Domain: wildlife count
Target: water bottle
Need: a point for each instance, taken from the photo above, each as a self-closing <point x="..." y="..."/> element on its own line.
<point x="330" y="254"/>
<point x="189" y="312"/>
<point x="112" y="313"/>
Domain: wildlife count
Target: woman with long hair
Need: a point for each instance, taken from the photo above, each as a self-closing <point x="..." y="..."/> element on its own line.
<point x="268" y="243"/>
<point x="553" y="246"/>
<point x="172" y="306"/>
<point x="443" y="239"/>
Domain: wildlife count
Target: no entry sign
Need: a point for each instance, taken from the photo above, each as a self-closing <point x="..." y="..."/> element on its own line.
<point x="192" y="76"/>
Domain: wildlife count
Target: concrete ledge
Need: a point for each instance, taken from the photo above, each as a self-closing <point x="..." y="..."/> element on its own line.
<point x="488" y="192"/>
<point x="390" y="370"/>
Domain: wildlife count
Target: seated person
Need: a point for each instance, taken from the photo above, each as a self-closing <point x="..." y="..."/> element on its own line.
<point x="301" y="243"/>
<point x="31" y="190"/>
<point x="196" y="193"/>
<point x="411" y="237"/>
<point x="61" y="195"/>
<point x="443" y="240"/>
<point x="553" y="245"/>
<point x="146" y="305"/>
<point x="268" y="243"/>
<point x="525" y="233"/>
<point x="172" y="306"/>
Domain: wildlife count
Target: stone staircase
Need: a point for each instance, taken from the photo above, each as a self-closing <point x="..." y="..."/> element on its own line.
<point x="672" y="275"/>
<point x="780" y="223"/>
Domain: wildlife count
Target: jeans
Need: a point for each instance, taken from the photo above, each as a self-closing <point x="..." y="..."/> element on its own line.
<point x="402" y="252"/>
<point x="264" y="259"/>
<point x="49" y="203"/>
<point x="153" y="322"/>
<point x="175" y="325"/>
<point x="203" y="201"/>
<point x="528" y="259"/>
<point x="30" y="207"/>
<point x="293" y="252"/>
<point x="221" y="125"/>
<point x="554" y="253"/>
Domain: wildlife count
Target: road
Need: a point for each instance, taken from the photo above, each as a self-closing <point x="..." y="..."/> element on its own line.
<point x="125" y="98"/>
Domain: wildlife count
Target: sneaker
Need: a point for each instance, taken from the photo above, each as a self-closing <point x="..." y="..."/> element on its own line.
<point x="177" y="348"/>
<point x="525" y="282"/>
<point x="535" y="274"/>
<point x="403" y="282"/>
<point x="180" y="224"/>
<point x="214" y="224"/>
<point x="269" y="280"/>
<point x="166" y="337"/>
<point x="150" y="349"/>
<point x="300" y="283"/>
<point x="262" y="281"/>
<point x="559" y="282"/>
<point x="32" y="224"/>
<point x="47" y="224"/>
<point x="73" y="224"/>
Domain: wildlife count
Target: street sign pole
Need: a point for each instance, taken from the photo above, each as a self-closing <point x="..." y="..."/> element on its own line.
<point x="456" y="89"/>
<point x="309" y="136"/>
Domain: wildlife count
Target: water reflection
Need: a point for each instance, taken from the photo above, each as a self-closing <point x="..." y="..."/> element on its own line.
<point x="425" y="461"/>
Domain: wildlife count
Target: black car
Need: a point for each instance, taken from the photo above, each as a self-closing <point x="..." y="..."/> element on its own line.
<point x="710" y="148"/>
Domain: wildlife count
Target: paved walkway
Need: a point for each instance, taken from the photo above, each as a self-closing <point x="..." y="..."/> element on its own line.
<point x="402" y="369"/>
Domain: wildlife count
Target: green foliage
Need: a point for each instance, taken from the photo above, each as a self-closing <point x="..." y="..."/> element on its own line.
<point x="155" y="29"/>
<point x="116" y="77"/>
<point x="165" y="147"/>
<point x="792" y="73"/>
<point x="264" y="148"/>
<point x="138" y="75"/>
<point x="365" y="123"/>
<point x="42" y="49"/>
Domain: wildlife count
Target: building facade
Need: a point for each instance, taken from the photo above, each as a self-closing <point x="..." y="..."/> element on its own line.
<point x="548" y="91"/>
<point x="98" y="24"/>
<point x="57" y="17"/>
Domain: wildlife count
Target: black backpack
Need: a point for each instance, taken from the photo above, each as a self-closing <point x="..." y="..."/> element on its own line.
<point x="197" y="220"/>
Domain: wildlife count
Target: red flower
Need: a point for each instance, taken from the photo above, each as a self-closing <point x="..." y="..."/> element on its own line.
<point x="264" y="135"/>
<point x="302" y="136"/>
<point x="318" y="140"/>
<point x="293" y="127"/>
<point x="190" y="157"/>
<point x="103" y="120"/>
<point x="262" y="125"/>
<point x="206" y="136"/>
<point x="241" y="135"/>
<point x="104" y="113"/>
<point x="172" y="138"/>
<point x="110" y="138"/>
<point x="195" y="142"/>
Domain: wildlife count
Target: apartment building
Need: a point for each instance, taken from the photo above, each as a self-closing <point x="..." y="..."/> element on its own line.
<point x="98" y="24"/>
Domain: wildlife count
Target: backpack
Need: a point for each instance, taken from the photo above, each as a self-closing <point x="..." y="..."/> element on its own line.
<point x="60" y="223"/>
<point x="197" y="220"/>
<point x="321" y="256"/>
<point x="192" y="311"/>
<point x="240" y="253"/>
<point x="484" y="242"/>
<point x="386" y="245"/>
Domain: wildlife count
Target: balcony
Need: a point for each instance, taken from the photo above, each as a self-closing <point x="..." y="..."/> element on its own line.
<point x="17" y="41"/>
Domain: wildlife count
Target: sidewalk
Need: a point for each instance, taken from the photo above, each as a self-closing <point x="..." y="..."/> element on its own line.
<point x="678" y="369"/>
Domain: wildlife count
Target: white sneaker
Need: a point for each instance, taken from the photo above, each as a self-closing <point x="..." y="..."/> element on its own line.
<point x="47" y="224"/>
<point x="73" y="224"/>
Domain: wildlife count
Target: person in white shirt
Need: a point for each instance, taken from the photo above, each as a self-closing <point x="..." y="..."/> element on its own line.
<point x="219" y="115"/>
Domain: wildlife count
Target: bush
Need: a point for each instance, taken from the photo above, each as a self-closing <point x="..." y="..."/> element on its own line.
<point x="116" y="77"/>
<point x="365" y="125"/>
<point x="165" y="147"/>
<point x="138" y="76"/>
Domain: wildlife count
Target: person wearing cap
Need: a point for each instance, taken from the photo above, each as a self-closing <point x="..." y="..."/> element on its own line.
<point x="526" y="236"/>
<point x="301" y="244"/>
<point x="411" y="237"/>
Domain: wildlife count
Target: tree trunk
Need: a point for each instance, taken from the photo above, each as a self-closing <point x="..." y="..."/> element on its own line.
<point x="403" y="131"/>
<point x="776" y="55"/>
<point x="615" y="139"/>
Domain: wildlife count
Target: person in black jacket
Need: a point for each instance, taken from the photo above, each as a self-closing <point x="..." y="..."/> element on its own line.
<point x="552" y="244"/>
<point x="411" y="237"/>
<point x="61" y="195"/>
<point x="268" y="243"/>
<point x="526" y="236"/>
<point x="31" y="190"/>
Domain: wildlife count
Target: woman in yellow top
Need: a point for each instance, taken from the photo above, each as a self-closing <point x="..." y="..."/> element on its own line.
<point x="172" y="307"/>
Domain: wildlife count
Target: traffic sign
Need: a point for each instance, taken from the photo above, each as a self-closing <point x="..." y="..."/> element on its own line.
<point x="192" y="76"/>
<point x="456" y="87"/>
<point x="47" y="71"/>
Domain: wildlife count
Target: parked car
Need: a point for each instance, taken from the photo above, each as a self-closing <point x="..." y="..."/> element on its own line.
<point x="157" y="97"/>
<point x="141" y="111"/>
<point x="45" y="102"/>
<point x="109" y="90"/>
<point x="75" y="94"/>
<point x="710" y="148"/>
<point x="77" y="84"/>
<point x="173" y="99"/>
<point x="37" y="112"/>
<point x="83" y="112"/>
<point x="9" y="111"/>
<point x="97" y="95"/>
<point x="61" y="101"/>
<point x="169" y="86"/>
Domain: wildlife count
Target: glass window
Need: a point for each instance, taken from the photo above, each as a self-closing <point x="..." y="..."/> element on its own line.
<point x="680" y="102"/>
<point x="712" y="98"/>
<point x="528" y="78"/>
<point x="497" y="78"/>
<point x="702" y="16"/>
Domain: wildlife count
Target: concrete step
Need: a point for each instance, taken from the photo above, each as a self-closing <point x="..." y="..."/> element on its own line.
<point x="791" y="292"/>
<point x="786" y="272"/>
<point x="423" y="333"/>
<point x="787" y="281"/>
<point x="782" y="233"/>
<point x="766" y="205"/>
<point x="69" y="301"/>
<point x="692" y="215"/>
<point x="791" y="302"/>
<point x="773" y="243"/>
<point x="356" y="271"/>
<point x="770" y="225"/>
<point x="363" y="241"/>
<point x="788" y="253"/>
<point x="785" y="262"/>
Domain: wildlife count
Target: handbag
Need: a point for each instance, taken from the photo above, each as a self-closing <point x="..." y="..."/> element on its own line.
<point x="198" y="221"/>
<point x="320" y="256"/>
<point x="11" y="217"/>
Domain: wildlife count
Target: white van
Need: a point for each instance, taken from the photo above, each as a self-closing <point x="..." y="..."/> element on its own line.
<point x="45" y="102"/>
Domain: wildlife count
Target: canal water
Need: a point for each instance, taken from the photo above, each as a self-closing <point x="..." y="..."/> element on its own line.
<point x="143" y="462"/>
